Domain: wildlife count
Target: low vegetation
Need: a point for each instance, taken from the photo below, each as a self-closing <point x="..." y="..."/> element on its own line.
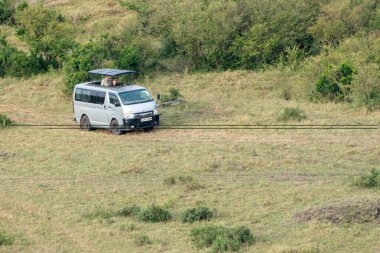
<point x="291" y="114"/>
<point x="154" y="214"/>
<point x="174" y="94"/>
<point x="5" y="121"/>
<point x="349" y="211"/>
<point x="221" y="239"/>
<point x="142" y="240"/>
<point x="369" y="181"/>
<point x="100" y="213"/>
<point x="130" y="211"/>
<point x="5" y="240"/>
<point x="197" y="214"/>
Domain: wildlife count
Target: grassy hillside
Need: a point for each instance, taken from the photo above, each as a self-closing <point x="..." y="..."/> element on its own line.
<point x="61" y="190"/>
<point x="60" y="187"/>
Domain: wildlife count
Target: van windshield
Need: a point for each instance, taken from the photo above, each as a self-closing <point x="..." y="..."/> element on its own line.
<point x="135" y="97"/>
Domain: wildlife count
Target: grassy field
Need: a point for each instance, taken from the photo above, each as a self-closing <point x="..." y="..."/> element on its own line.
<point x="59" y="187"/>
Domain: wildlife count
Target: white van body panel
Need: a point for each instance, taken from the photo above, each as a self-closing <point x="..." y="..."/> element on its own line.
<point x="101" y="115"/>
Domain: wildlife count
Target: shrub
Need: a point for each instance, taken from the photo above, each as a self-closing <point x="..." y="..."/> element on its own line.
<point x="370" y="181"/>
<point x="83" y="59"/>
<point x="142" y="240"/>
<point x="6" y="11"/>
<point x="47" y="33"/>
<point x="99" y="213"/>
<point x="197" y="214"/>
<point x="170" y="181"/>
<point x="154" y="214"/>
<point x="5" y="240"/>
<point x="289" y="113"/>
<point x="129" y="211"/>
<point x="335" y="83"/>
<point x="221" y="239"/>
<point x="5" y="121"/>
<point x="174" y="94"/>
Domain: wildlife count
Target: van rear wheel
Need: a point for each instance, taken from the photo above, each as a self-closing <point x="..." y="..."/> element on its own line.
<point x="85" y="123"/>
<point x="115" y="128"/>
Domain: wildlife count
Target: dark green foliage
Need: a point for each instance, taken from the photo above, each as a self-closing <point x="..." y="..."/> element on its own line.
<point x="142" y="240"/>
<point x="17" y="63"/>
<point x="5" y="240"/>
<point x="221" y="239"/>
<point x="174" y="94"/>
<point x="197" y="214"/>
<point x="129" y="211"/>
<point x="154" y="214"/>
<point x="47" y="33"/>
<point x="128" y="58"/>
<point x="335" y="83"/>
<point x="6" y="11"/>
<point x="5" y="121"/>
<point x="369" y="181"/>
<point x="294" y="114"/>
<point x="83" y="59"/>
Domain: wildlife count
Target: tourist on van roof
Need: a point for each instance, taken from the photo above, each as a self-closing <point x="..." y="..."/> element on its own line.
<point x="106" y="81"/>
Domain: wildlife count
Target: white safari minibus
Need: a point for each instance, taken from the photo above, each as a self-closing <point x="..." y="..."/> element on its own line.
<point x="108" y="104"/>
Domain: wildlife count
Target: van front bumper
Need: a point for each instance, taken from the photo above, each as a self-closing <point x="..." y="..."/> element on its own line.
<point x="136" y="123"/>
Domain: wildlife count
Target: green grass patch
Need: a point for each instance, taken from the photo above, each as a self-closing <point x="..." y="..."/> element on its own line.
<point x="197" y="214"/>
<point x="5" y="240"/>
<point x="5" y="121"/>
<point x="129" y="211"/>
<point x="142" y="240"/>
<point x="221" y="239"/>
<point x="154" y="214"/>
<point x="369" y="181"/>
<point x="100" y="213"/>
<point x="291" y="114"/>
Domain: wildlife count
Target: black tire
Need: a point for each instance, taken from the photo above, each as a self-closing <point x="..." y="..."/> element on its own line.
<point x="115" y="128"/>
<point x="85" y="123"/>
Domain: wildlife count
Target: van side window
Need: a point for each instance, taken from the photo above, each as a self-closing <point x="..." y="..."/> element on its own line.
<point x="78" y="94"/>
<point x="113" y="99"/>
<point x="97" y="97"/>
<point x="86" y="96"/>
<point x="90" y="96"/>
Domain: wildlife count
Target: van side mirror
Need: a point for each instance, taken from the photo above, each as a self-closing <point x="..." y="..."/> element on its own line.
<point x="158" y="96"/>
<point x="117" y="103"/>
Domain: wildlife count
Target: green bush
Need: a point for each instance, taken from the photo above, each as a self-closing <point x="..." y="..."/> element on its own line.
<point x="46" y="32"/>
<point x="291" y="114"/>
<point x="370" y="181"/>
<point x="7" y="11"/>
<point x="174" y="94"/>
<point x="154" y="214"/>
<point x="17" y="63"/>
<point x="197" y="214"/>
<point x="5" y="240"/>
<point x="84" y="58"/>
<point x="5" y="121"/>
<point x="221" y="239"/>
<point x="335" y="83"/>
<point x="129" y="211"/>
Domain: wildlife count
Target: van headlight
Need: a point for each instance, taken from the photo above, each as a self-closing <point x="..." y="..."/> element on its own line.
<point x="129" y="115"/>
<point x="155" y="112"/>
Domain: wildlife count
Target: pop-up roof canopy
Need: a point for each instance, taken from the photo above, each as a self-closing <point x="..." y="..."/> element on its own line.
<point x="111" y="72"/>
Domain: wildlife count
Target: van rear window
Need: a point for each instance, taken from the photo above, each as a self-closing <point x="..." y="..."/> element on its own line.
<point x="90" y="96"/>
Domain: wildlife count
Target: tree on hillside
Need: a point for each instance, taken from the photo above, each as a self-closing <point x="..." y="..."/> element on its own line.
<point x="47" y="33"/>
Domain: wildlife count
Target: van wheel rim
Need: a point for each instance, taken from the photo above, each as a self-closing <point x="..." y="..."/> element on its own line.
<point x="115" y="127"/>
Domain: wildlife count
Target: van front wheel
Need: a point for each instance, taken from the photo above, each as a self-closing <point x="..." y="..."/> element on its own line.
<point x="85" y="123"/>
<point x="115" y="128"/>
